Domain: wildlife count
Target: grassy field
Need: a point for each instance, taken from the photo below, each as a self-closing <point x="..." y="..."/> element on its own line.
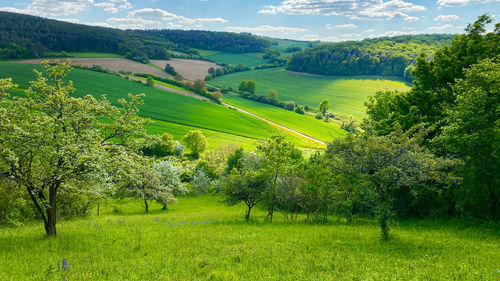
<point x="248" y="59"/>
<point x="302" y="123"/>
<point x="201" y="239"/>
<point x="346" y="94"/>
<point x="161" y="105"/>
<point x="284" y="44"/>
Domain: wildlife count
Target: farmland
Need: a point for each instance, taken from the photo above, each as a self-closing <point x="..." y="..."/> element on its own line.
<point x="190" y="69"/>
<point x="248" y="59"/>
<point x="346" y="94"/>
<point x="303" y="123"/>
<point x="201" y="239"/>
<point x="159" y="105"/>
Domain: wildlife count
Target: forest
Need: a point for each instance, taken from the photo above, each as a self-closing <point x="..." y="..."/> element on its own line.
<point x="394" y="56"/>
<point x="25" y="36"/>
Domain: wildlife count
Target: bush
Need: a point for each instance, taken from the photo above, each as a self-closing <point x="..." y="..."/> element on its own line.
<point x="319" y="116"/>
<point x="300" y="110"/>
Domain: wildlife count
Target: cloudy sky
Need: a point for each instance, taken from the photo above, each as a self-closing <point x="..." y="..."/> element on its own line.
<point x="327" y="20"/>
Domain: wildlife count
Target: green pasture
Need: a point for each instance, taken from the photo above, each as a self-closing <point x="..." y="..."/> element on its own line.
<point x="347" y="95"/>
<point x="248" y="59"/>
<point x="303" y="123"/>
<point x="159" y="105"/>
<point x="284" y="44"/>
<point x="201" y="239"/>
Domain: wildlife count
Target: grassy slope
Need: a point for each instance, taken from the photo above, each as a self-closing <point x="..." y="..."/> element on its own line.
<point x="159" y="105"/>
<point x="248" y="59"/>
<point x="201" y="239"/>
<point x="346" y="94"/>
<point x="284" y="44"/>
<point x="302" y="123"/>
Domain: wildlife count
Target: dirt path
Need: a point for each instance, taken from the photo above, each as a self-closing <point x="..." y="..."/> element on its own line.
<point x="274" y="124"/>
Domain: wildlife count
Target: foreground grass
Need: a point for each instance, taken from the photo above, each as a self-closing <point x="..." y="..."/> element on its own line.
<point x="347" y="95"/>
<point x="201" y="239"/>
<point x="160" y="105"/>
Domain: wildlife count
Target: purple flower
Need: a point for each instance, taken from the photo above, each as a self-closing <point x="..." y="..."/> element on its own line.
<point x="65" y="264"/>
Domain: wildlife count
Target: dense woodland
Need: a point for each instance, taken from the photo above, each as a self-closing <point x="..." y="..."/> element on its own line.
<point x="428" y="152"/>
<point x="24" y="36"/>
<point x="394" y="56"/>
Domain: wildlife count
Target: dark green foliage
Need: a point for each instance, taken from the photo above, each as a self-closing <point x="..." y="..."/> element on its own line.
<point x="300" y="109"/>
<point x="293" y="49"/>
<point x="380" y="56"/>
<point x="170" y="70"/>
<point x="271" y="54"/>
<point x="247" y="87"/>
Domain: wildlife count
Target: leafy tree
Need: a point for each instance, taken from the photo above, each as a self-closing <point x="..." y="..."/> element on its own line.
<point x="234" y="161"/>
<point x="324" y="106"/>
<point x="247" y="187"/>
<point x="473" y="133"/>
<point x="300" y="109"/>
<point x="199" y="86"/>
<point x="51" y="141"/>
<point x="217" y="95"/>
<point x="384" y="165"/>
<point x="242" y="87"/>
<point x="150" y="82"/>
<point x="170" y="70"/>
<point x="273" y="95"/>
<point x="251" y="86"/>
<point x="196" y="142"/>
<point x="278" y="155"/>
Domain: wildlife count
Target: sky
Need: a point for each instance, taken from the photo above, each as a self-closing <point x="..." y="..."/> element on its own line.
<point x="325" y="20"/>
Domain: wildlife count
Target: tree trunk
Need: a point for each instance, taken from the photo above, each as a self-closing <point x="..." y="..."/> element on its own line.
<point x="270" y="214"/>
<point x="51" y="212"/>
<point x="384" y="224"/>
<point x="97" y="205"/>
<point x="247" y="216"/>
<point x="147" y="207"/>
<point x="164" y="207"/>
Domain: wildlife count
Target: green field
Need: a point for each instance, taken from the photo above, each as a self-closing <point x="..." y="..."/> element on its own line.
<point x="161" y="106"/>
<point x="201" y="239"/>
<point x="303" y="123"/>
<point x="248" y="59"/>
<point x="346" y="94"/>
<point x="283" y="44"/>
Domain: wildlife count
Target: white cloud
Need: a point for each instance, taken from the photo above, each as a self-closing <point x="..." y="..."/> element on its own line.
<point x="396" y="33"/>
<point x="341" y="26"/>
<point x="202" y="20"/>
<point x="113" y="6"/>
<point x="267" y="30"/>
<point x="53" y="8"/>
<point x="446" y="18"/>
<point x="361" y="9"/>
<point x="440" y="28"/>
<point x="451" y="3"/>
<point x="150" y="13"/>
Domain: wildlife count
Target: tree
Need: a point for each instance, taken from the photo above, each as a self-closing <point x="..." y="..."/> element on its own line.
<point x="324" y="106"/>
<point x="199" y="86"/>
<point x="170" y="177"/>
<point x="384" y="165"/>
<point x="51" y="141"/>
<point x="251" y="86"/>
<point x="242" y="87"/>
<point x="300" y="109"/>
<point x="247" y="187"/>
<point x="147" y="185"/>
<point x="273" y="95"/>
<point x="170" y="70"/>
<point x="196" y="142"/>
<point x="150" y="82"/>
<point x="277" y="155"/>
<point x="217" y="95"/>
<point x="165" y="145"/>
<point x="473" y="134"/>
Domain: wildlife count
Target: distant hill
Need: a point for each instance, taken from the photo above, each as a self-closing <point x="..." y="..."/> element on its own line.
<point x="25" y="36"/>
<point x="386" y="56"/>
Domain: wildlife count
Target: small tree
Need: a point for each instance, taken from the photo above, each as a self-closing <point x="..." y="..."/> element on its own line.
<point x="324" y="106"/>
<point x="217" y="95"/>
<point x="196" y="142"/>
<point x="243" y="87"/>
<point x="150" y="82"/>
<point x="170" y="70"/>
<point x="199" y="86"/>
<point x="273" y="95"/>
<point x="170" y="176"/>
<point x="247" y="187"/>
<point x="251" y="86"/>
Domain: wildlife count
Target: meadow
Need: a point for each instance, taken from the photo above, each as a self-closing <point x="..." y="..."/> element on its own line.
<point x="347" y="95"/>
<point x="248" y="59"/>
<point x="201" y="239"/>
<point x="161" y="106"/>
<point x="305" y="124"/>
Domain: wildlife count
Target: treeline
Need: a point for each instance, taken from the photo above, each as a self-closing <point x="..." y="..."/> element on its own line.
<point x="25" y="36"/>
<point x="394" y="56"/>
<point x="211" y="40"/>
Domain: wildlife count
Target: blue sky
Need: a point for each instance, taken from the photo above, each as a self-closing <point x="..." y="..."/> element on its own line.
<point x="326" y="20"/>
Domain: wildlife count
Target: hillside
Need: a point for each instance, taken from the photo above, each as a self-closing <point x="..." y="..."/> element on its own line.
<point x="174" y="113"/>
<point x="387" y="56"/>
<point x="25" y="36"/>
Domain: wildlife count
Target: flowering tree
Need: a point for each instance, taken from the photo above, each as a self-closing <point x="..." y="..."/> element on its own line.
<point x="51" y="141"/>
